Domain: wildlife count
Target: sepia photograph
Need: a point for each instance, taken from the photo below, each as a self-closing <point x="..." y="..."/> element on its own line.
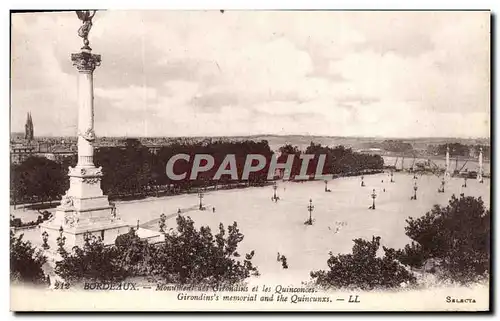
<point x="250" y="160"/>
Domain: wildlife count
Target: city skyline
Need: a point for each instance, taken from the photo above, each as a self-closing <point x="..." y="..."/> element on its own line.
<point x="165" y="74"/>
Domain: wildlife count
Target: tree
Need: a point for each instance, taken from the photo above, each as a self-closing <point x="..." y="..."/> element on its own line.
<point x="456" y="149"/>
<point x="135" y="255"/>
<point x="192" y="256"/>
<point x="127" y="170"/>
<point x="93" y="262"/>
<point x="341" y="160"/>
<point x="25" y="261"/>
<point x="363" y="269"/>
<point x="412" y="255"/>
<point x="186" y="256"/>
<point x="39" y="177"/>
<point x="457" y="235"/>
<point x="396" y="146"/>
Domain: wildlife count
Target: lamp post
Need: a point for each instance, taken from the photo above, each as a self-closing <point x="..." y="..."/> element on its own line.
<point x="163" y="219"/>
<point x="441" y="190"/>
<point x="61" y="240"/>
<point x="86" y="237"/>
<point x="45" y="238"/>
<point x="200" y="196"/>
<point x="310" y="208"/>
<point x="374" y="196"/>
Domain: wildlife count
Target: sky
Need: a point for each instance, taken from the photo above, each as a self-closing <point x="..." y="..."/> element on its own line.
<point x="207" y="73"/>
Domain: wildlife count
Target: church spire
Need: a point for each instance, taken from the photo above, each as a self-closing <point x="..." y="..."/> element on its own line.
<point x="32" y="128"/>
<point x="28" y="128"/>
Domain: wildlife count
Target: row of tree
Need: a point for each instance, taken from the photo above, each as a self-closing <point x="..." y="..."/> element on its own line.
<point x="134" y="170"/>
<point x="458" y="149"/>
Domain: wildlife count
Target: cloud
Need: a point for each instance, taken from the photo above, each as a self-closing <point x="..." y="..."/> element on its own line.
<point x="180" y="73"/>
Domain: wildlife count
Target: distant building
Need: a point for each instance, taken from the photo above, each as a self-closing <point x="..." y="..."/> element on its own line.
<point x="376" y="151"/>
<point x="19" y="152"/>
<point x="57" y="153"/>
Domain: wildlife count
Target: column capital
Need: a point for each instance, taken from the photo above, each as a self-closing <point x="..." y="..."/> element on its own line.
<point x="85" y="61"/>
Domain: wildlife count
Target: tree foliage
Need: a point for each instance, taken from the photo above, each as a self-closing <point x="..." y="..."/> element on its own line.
<point x="412" y="255"/>
<point x="38" y="179"/>
<point x="25" y="261"/>
<point x="396" y="146"/>
<point x="93" y="262"/>
<point x="363" y="269"/>
<point x="136" y="257"/>
<point x="343" y="161"/>
<point x="187" y="256"/>
<point x="458" y="235"/>
<point x="196" y="256"/>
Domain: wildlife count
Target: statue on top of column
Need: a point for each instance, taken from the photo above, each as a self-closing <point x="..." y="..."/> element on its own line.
<point x="86" y="17"/>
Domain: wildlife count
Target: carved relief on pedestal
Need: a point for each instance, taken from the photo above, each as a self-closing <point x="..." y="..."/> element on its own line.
<point x="71" y="220"/>
<point x="66" y="201"/>
<point x="88" y="135"/>
<point x="90" y="172"/>
<point x="52" y="217"/>
<point x="91" y="180"/>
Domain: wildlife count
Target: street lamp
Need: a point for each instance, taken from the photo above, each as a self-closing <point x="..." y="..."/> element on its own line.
<point x="87" y="236"/>
<point x="326" y="186"/>
<point x="374" y="196"/>
<point x="200" y="196"/>
<point x="45" y="238"/>
<point x="441" y="190"/>
<point x="310" y="208"/>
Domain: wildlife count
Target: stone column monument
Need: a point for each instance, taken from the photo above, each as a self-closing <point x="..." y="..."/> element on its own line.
<point x="480" y="171"/>
<point x="84" y="208"/>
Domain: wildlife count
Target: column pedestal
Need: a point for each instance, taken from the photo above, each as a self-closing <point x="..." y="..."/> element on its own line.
<point x="84" y="209"/>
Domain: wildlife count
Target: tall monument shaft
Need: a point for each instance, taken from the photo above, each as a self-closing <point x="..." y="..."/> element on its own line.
<point x="84" y="208"/>
<point x="85" y="118"/>
<point x="86" y="63"/>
